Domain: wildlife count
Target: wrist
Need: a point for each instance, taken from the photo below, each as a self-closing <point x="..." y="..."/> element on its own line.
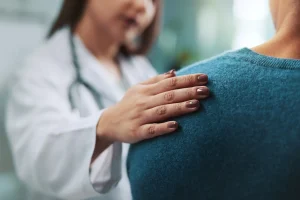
<point x="103" y="129"/>
<point x="103" y="140"/>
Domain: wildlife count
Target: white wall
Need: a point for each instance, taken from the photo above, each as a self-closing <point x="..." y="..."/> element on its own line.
<point x="23" y="25"/>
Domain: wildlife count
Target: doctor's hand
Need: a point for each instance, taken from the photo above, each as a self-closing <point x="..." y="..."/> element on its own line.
<point x="143" y="111"/>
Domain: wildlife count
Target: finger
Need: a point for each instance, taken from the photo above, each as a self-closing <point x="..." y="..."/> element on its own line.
<point x="179" y="82"/>
<point x="160" y="77"/>
<point x="164" y="112"/>
<point x="179" y="95"/>
<point x="148" y="131"/>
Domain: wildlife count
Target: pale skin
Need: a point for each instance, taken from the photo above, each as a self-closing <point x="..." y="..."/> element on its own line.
<point x="143" y="111"/>
<point x="286" y="42"/>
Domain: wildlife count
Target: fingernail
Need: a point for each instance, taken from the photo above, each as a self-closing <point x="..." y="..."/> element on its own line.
<point x="203" y="91"/>
<point x="202" y="78"/>
<point x="171" y="72"/>
<point x="173" y="125"/>
<point x="192" y="104"/>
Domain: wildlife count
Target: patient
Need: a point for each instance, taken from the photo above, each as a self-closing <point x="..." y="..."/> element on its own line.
<point x="245" y="145"/>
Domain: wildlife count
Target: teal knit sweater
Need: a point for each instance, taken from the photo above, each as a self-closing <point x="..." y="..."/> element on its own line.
<point x="243" y="145"/>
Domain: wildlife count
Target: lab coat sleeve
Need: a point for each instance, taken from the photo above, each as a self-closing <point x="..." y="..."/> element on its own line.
<point x="52" y="147"/>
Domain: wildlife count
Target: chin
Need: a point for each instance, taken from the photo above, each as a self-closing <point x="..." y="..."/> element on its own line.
<point x="118" y="36"/>
<point x="131" y="35"/>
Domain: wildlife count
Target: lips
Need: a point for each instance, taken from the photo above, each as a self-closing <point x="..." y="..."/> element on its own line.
<point x="130" y="22"/>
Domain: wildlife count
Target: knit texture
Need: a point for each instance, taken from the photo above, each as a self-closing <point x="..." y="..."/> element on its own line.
<point x="244" y="144"/>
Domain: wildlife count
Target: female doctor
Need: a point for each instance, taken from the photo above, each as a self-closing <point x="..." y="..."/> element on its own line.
<point x="65" y="144"/>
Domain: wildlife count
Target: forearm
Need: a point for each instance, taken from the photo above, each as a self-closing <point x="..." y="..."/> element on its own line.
<point x="103" y="141"/>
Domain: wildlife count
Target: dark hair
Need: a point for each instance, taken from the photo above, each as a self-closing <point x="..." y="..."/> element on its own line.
<point x="72" y="11"/>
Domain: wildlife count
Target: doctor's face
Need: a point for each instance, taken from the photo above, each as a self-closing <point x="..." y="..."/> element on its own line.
<point x="122" y="19"/>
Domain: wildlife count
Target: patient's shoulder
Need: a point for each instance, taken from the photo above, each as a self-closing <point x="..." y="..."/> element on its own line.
<point x="228" y="58"/>
<point x="230" y="148"/>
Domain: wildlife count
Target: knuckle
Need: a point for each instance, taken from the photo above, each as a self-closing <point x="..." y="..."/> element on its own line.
<point x="161" y="110"/>
<point x="160" y="77"/>
<point x="169" y="96"/>
<point x="178" y="107"/>
<point x="138" y="133"/>
<point x="141" y="89"/>
<point x="172" y="82"/>
<point x="131" y="91"/>
<point x="189" y="93"/>
<point x="138" y="89"/>
<point x="151" y="130"/>
<point x="133" y="132"/>
<point x="136" y="116"/>
<point x="149" y="90"/>
<point x="135" y="87"/>
<point x="189" y="79"/>
<point x="140" y="103"/>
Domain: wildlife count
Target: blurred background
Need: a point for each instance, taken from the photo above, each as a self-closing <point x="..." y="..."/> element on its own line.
<point x="192" y="30"/>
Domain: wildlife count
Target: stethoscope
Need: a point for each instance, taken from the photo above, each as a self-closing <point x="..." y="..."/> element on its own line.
<point x="80" y="81"/>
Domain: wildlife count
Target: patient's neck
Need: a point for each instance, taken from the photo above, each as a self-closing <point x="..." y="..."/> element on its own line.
<point x="286" y="42"/>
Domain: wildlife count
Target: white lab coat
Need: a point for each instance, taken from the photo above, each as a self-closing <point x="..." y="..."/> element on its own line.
<point x="51" y="144"/>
